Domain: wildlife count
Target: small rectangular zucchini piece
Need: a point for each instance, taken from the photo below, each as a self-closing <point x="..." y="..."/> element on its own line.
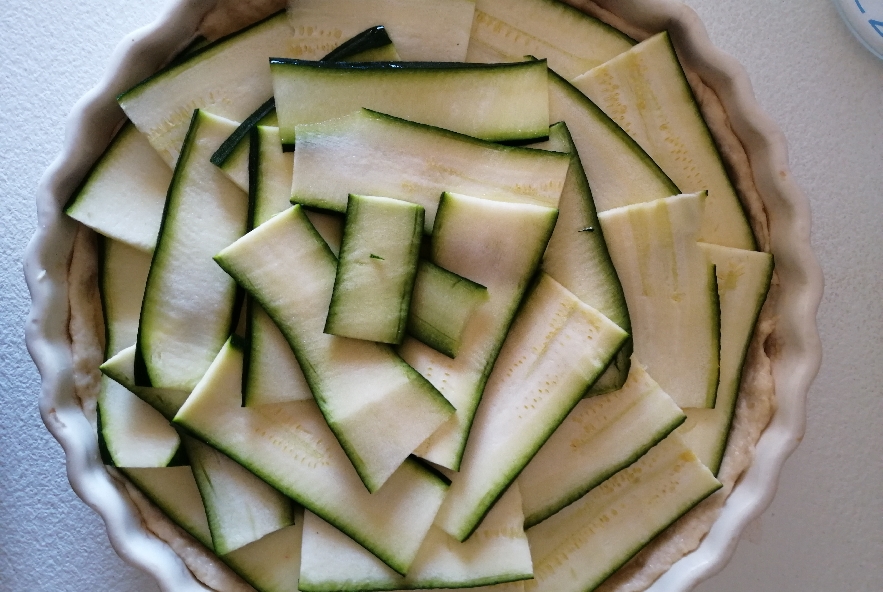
<point x="441" y="305"/>
<point x="376" y="269"/>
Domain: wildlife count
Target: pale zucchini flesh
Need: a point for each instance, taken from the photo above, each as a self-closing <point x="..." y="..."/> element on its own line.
<point x="671" y="293"/>
<point x="232" y="155"/>
<point x="572" y="41"/>
<point x="743" y="280"/>
<point x="123" y="196"/>
<point x="272" y="373"/>
<point x="376" y="269"/>
<point x="498" y="245"/>
<point x="556" y="348"/>
<point x="174" y="491"/>
<point x="123" y="272"/>
<point x="619" y="172"/>
<point x="496" y="102"/>
<point x="646" y="92"/>
<point x="134" y="434"/>
<point x="270" y="564"/>
<point x="239" y="506"/>
<point x="290" y="446"/>
<point x="228" y="78"/>
<point x="578" y="259"/>
<point x="121" y="368"/>
<point x="498" y="553"/>
<point x="188" y="305"/>
<point x="380" y="408"/>
<point x="600" y="437"/>
<point x="441" y="306"/>
<point x="421" y="30"/>
<point x="374" y="154"/>
<point x="578" y="548"/>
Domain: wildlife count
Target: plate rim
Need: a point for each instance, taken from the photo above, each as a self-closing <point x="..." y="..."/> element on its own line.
<point x="95" y="117"/>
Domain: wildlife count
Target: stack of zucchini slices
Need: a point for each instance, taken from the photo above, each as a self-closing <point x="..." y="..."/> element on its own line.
<point x="458" y="301"/>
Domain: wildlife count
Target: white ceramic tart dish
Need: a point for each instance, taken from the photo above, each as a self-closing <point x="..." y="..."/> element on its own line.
<point x="64" y="327"/>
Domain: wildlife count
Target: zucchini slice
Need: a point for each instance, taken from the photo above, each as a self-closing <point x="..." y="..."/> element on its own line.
<point x="135" y="434"/>
<point x="123" y="196"/>
<point x="174" y="491"/>
<point x="600" y="437"/>
<point x="189" y="302"/>
<point x="240" y="507"/>
<point x="121" y="368"/>
<point x="743" y="280"/>
<point x="379" y="408"/>
<point x="229" y="78"/>
<point x="572" y="41"/>
<point x="557" y="347"/>
<point x="498" y="245"/>
<point x="270" y="564"/>
<point x="646" y="92"/>
<point x="422" y="30"/>
<point x="671" y="293"/>
<point x="442" y="304"/>
<point x="578" y="548"/>
<point x="578" y="259"/>
<point x="272" y="373"/>
<point x="619" y="171"/>
<point x="496" y="102"/>
<point x="232" y="155"/>
<point x="374" y="154"/>
<point x="498" y="553"/>
<point x="291" y="447"/>
<point x="376" y="269"/>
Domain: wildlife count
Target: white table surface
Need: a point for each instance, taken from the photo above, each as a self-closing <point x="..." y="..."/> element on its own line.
<point x="824" y="530"/>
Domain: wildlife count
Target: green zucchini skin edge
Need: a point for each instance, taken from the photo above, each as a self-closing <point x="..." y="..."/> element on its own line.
<point x="369" y="66"/>
<point x="577" y="96"/>
<point x="226" y="149"/>
<point x="538" y="517"/>
<point x="142" y="377"/>
<point x="198" y="53"/>
<point x="369" y="39"/>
